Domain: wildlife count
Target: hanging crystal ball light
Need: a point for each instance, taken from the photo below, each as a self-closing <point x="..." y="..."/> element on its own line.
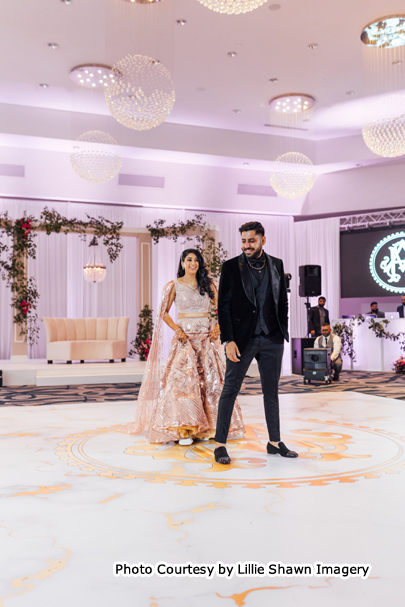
<point x="385" y="136"/>
<point x="232" y="7"/>
<point x="143" y="96"/>
<point x="387" y="32"/>
<point x="296" y="181"/>
<point x="94" y="163"/>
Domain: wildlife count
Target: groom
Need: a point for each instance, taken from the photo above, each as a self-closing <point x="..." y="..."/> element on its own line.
<point x="253" y="318"/>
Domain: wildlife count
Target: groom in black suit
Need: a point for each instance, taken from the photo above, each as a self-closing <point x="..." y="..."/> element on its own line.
<point x="253" y="318"/>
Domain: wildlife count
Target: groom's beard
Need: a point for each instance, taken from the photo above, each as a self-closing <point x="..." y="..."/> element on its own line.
<point x="254" y="255"/>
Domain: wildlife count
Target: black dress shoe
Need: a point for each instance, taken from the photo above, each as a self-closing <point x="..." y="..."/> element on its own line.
<point x="336" y="378"/>
<point x="221" y="456"/>
<point x="280" y="450"/>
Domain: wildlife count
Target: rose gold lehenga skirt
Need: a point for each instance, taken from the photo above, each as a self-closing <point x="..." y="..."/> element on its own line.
<point x="191" y="386"/>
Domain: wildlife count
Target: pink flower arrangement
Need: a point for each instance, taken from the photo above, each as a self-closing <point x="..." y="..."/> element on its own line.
<point x="25" y="225"/>
<point x="145" y="349"/>
<point x="25" y="306"/>
<point x="399" y="366"/>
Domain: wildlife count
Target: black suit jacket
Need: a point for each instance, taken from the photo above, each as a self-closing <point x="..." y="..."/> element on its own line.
<point x="400" y="309"/>
<point x="314" y="320"/>
<point x="237" y="307"/>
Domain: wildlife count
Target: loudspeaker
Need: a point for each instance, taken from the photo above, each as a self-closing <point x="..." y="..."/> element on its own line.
<point x="310" y="281"/>
<point x="297" y="349"/>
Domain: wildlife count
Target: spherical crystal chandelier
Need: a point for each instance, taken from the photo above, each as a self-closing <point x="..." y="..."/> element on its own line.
<point x="143" y="96"/>
<point x="92" y="162"/>
<point x="296" y="181"/>
<point x="232" y="7"/>
<point x="94" y="270"/>
<point x="385" y="136"/>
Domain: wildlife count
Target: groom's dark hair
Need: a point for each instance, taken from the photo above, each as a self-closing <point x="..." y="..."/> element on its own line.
<point x="252" y="225"/>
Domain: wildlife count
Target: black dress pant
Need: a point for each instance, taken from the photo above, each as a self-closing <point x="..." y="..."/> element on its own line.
<point x="269" y="356"/>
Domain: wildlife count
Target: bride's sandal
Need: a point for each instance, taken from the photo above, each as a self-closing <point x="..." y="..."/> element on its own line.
<point x="221" y="456"/>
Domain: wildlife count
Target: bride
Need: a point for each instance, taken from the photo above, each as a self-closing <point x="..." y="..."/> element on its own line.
<point x="179" y="401"/>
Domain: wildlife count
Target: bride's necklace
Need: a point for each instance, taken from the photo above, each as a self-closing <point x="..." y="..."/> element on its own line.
<point x="193" y="288"/>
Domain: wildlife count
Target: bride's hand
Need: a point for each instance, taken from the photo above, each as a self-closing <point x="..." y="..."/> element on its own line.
<point x="214" y="335"/>
<point x="181" y="336"/>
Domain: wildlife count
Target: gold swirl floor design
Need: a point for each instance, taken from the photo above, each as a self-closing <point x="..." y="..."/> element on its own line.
<point x="102" y="496"/>
<point x="323" y="442"/>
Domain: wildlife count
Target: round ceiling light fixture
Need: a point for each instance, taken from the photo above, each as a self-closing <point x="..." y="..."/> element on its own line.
<point x="93" y="162"/>
<point x="293" y="103"/>
<point x="385" y="136"/>
<point x="387" y="32"/>
<point x="94" y="76"/>
<point x="294" y="180"/>
<point x="143" y="96"/>
<point x="232" y="7"/>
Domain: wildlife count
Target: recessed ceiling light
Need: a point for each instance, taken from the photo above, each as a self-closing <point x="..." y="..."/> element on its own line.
<point x="359" y="165"/>
<point x="245" y="164"/>
<point x="94" y="76"/>
<point x="236" y="111"/>
<point x="399" y="62"/>
<point x="66" y="1"/>
<point x="274" y="7"/>
<point x="312" y="47"/>
<point x="232" y="54"/>
<point x="181" y="22"/>
<point x="273" y="80"/>
<point x="292" y="103"/>
<point x="44" y="85"/>
<point x="350" y="93"/>
<point x="53" y="45"/>
<point x="387" y="32"/>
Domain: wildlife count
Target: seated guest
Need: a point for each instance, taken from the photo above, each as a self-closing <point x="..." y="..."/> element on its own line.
<point x="374" y="310"/>
<point x="329" y="340"/>
<point x="401" y="308"/>
<point x="318" y="315"/>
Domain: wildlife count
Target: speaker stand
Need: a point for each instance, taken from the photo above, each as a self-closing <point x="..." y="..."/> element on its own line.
<point x="307" y="305"/>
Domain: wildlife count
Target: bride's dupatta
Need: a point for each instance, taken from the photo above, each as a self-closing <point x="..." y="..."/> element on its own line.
<point x="150" y="387"/>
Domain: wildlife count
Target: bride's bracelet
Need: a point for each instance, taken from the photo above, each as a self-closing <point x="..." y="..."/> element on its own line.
<point x="178" y="332"/>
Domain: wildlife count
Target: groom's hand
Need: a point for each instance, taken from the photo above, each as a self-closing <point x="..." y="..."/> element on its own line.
<point x="232" y="351"/>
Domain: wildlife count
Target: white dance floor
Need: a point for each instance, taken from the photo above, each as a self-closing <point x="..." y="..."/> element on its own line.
<point x="77" y="497"/>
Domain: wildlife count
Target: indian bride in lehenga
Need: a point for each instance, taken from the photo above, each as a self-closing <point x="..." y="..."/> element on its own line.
<point x="179" y="401"/>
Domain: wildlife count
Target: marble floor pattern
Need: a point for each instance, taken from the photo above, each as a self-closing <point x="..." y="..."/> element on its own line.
<point x="77" y="496"/>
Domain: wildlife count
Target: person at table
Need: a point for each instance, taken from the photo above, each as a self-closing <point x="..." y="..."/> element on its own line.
<point x="332" y="341"/>
<point x="375" y="311"/>
<point x="318" y="315"/>
<point x="401" y="308"/>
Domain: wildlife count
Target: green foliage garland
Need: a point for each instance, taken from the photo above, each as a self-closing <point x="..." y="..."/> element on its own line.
<point x="142" y="342"/>
<point x="13" y="257"/>
<point x="345" y="332"/>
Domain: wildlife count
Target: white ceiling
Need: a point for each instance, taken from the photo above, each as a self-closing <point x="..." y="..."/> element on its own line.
<point x="269" y="44"/>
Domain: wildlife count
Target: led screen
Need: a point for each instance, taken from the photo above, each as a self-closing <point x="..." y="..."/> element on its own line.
<point x="372" y="262"/>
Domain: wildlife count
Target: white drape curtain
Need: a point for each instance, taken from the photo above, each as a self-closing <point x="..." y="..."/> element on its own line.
<point x="60" y="259"/>
<point x="317" y="242"/>
<point x="6" y="316"/>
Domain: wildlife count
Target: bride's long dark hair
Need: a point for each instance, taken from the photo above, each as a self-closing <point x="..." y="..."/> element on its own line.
<point x="203" y="280"/>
